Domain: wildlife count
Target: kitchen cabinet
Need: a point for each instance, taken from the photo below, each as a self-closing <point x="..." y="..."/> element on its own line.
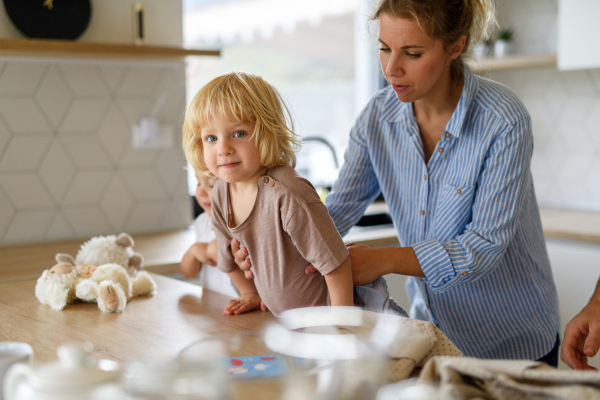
<point x="578" y="34"/>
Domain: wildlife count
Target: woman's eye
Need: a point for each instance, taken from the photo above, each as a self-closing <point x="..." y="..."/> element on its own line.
<point x="413" y="55"/>
<point x="384" y="49"/>
<point x="211" y="138"/>
<point x="239" y="134"/>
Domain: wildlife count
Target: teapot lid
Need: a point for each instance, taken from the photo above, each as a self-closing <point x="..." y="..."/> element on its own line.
<point x="76" y="369"/>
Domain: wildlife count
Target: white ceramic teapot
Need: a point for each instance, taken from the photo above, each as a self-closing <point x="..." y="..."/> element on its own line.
<point x="76" y="375"/>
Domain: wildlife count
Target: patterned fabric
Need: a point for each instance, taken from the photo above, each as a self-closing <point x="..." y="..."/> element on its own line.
<point x="470" y="214"/>
<point x="469" y="378"/>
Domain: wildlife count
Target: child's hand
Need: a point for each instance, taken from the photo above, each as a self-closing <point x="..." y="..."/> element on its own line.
<point x="245" y="303"/>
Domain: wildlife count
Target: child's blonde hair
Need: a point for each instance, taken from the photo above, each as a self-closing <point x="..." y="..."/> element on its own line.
<point x="249" y="99"/>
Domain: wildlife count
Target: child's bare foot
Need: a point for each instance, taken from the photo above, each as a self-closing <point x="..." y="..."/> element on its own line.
<point x="245" y="303"/>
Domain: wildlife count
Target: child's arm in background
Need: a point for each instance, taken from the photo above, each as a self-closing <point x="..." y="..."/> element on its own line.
<point x="249" y="299"/>
<point x="198" y="253"/>
<point x="339" y="284"/>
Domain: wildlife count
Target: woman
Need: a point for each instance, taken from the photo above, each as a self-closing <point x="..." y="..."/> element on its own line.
<point x="451" y="154"/>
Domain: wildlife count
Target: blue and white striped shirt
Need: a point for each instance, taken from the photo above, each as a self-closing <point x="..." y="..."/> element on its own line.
<point x="470" y="214"/>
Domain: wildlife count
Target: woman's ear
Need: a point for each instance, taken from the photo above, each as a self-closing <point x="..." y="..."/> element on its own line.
<point x="456" y="48"/>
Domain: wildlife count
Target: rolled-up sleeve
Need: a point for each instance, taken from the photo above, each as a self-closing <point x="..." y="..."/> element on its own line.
<point x="498" y="201"/>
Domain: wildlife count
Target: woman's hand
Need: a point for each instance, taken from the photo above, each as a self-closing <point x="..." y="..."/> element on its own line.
<point x="582" y="338"/>
<point x="241" y="258"/>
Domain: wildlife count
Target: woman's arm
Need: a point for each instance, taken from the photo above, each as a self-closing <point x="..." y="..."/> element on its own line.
<point x="339" y="284"/>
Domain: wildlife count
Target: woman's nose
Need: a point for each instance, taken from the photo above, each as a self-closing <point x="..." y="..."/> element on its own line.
<point x="394" y="66"/>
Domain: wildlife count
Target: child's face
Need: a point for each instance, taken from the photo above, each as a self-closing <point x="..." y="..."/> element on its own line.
<point x="229" y="152"/>
<point x="204" y="191"/>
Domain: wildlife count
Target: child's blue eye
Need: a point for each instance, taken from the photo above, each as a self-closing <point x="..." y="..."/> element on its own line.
<point x="211" y="138"/>
<point x="239" y="134"/>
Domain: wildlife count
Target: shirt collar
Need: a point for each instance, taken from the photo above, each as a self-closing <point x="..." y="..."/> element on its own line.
<point x="396" y="111"/>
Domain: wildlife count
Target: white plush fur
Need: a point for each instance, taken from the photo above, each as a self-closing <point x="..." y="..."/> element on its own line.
<point x="115" y="276"/>
<point x="102" y="250"/>
<point x="56" y="290"/>
<point x="115" y="273"/>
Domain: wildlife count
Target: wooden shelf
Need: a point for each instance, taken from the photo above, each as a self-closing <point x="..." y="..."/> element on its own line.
<point x="513" y="62"/>
<point x="75" y="49"/>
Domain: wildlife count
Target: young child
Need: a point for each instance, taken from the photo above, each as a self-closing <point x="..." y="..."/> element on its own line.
<point x="203" y="254"/>
<point x="236" y="129"/>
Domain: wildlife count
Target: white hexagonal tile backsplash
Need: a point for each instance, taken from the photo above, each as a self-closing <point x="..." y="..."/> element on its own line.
<point x="67" y="168"/>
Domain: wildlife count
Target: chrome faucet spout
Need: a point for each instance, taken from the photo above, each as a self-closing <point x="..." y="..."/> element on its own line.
<point x="326" y="143"/>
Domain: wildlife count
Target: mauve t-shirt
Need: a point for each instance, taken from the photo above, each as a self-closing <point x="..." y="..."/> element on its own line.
<point x="288" y="228"/>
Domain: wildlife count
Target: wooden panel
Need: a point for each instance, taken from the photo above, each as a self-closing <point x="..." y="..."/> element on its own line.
<point x="513" y="62"/>
<point x="75" y="49"/>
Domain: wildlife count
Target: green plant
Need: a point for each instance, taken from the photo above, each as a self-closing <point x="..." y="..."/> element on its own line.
<point x="505" y="34"/>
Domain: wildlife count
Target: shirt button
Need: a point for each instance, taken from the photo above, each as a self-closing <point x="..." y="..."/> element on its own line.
<point x="422" y="212"/>
<point x="266" y="180"/>
<point x="421" y="279"/>
<point x="465" y="273"/>
<point x="458" y="191"/>
<point x="427" y="306"/>
<point x="441" y="150"/>
<point x="272" y="183"/>
<point x="447" y="134"/>
<point x="425" y="177"/>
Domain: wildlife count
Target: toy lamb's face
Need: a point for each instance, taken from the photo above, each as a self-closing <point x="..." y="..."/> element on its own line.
<point x="60" y="269"/>
<point x="85" y="271"/>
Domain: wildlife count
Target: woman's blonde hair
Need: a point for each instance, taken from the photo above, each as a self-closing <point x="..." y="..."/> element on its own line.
<point x="248" y="99"/>
<point x="445" y="20"/>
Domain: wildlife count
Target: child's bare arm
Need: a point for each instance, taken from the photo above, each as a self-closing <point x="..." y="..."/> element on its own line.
<point x="249" y="299"/>
<point x="339" y="284"/>
<point x="192" y="260"/>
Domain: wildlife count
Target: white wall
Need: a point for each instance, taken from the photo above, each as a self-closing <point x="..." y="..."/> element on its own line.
<point x="67" y="166"/>
<point x="112" y="22"/>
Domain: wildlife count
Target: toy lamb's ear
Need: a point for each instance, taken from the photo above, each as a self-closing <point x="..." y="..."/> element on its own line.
<point x="136" y="261"/>
<point x="124" y="240"/>
<point x="65" y="259"/>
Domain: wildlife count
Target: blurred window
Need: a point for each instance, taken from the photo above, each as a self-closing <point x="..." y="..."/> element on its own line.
<point x="307" y="49"/>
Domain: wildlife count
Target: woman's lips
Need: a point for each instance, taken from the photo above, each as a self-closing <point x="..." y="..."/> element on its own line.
<point x="399" y="88"/>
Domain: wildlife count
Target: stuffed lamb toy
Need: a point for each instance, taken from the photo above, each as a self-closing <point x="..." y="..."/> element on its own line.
<point x="110" y="249"/>
<point x="106" y="270"/>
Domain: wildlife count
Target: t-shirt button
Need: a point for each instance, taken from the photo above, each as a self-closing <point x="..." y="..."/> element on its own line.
<point x="447" y="134"/>
<point x="422" y="212"/>
<point x="465" y="273"/>
<point x="272" y="183"/>
<point x="421" y="279"/>
<point x="441" y="150"/>
<point x="266" y="180"/>
<point x="458" y="191"/>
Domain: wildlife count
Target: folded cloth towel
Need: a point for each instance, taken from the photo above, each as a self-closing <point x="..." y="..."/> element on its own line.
<point x="472" y="378"/>
<point x="411" y="345"/>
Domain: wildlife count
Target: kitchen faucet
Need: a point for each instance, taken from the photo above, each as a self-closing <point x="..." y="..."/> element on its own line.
<point x="326" y="143"/>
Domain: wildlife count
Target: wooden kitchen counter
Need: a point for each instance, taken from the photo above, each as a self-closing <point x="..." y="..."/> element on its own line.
<point x="150" y="327"/>
<point x="162" y="254"/>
